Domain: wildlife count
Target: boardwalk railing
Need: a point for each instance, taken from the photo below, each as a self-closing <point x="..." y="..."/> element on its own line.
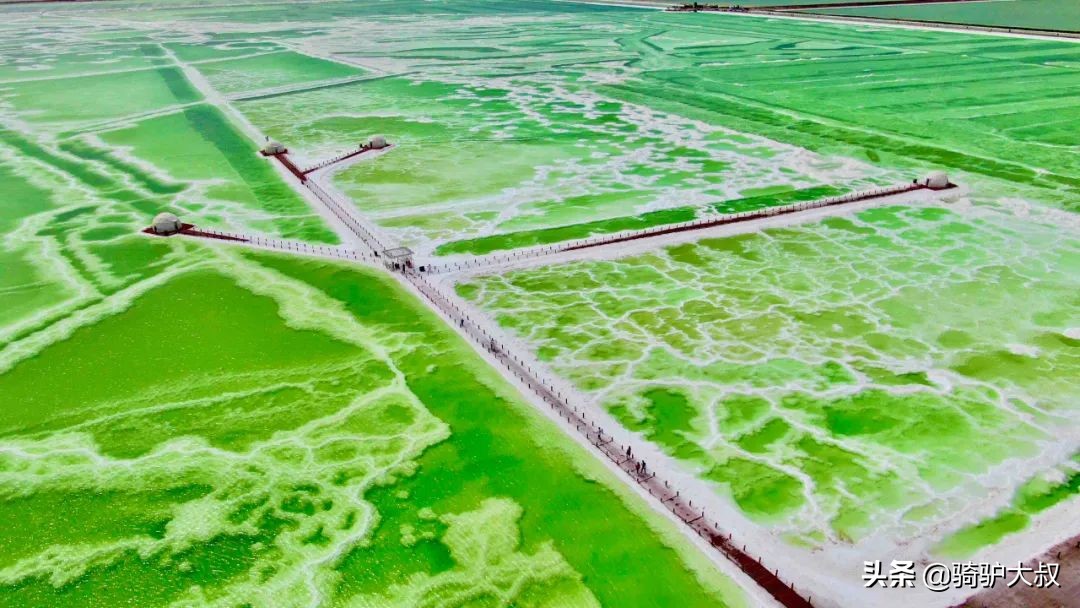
<point x="340" y="157"/>
<point x="295" y="88"/>
<point x="622" y="456"/>
<point x="339" y="210"/>
<point x="342" y="213"/>
<point x="946" y="25"/>
<point x="698" y="224"/>
<point x="286" y="162"/>
<point x="280" y="244"/>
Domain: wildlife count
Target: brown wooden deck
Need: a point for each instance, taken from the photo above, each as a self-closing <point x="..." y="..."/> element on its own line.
<point x="1067" y="555"/>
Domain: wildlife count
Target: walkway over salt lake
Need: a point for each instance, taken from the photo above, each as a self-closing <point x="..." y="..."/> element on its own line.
<point x="301" y="174"/>
<point x="525" y="371"/>
<point x="807" y="12"/>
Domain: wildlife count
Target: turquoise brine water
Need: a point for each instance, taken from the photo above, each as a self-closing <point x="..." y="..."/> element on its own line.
<point x="234" y="428"/>
<point x="833" y="378"/>
<point x="1059" y="15"/>
<point x="238" y="429"/>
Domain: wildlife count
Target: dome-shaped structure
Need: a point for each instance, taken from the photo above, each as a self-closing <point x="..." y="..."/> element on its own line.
<point x="166" y="223"/>
<point x="378" y="143"/>
<point x="937" y="180"/>
<point x="273" y="147"/>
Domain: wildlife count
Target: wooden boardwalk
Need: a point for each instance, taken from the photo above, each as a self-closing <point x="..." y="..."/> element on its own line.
<point x="516" y="255"/>
<point x="622" y="456"/>
<point x="1067" y="555"/>
<point x="750" y="216"/>
<point x="191" y="230"/>
<point x="339" y="158"/>
<point x="702" y="8"/>
<point x="286" y="162"/>
<point x="767" y="11"/>
<point x="264" y="242"/>
<point x="354" y="224"/>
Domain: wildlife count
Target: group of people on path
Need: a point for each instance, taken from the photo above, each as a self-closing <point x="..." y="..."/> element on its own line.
<point x="639" y="467"/>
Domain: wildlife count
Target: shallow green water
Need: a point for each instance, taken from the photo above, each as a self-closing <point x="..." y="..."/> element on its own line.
<point x="507" y="141"/>
<point x="529" y="238"/>
<point x="246" y="429"/>
<point x="852" y="91"/>
<point x="233" y="186"/>
<point x="832" y="378"/>
<point x="1062" y="15"/>
<point x="269" y="70"/>
<point x="498" y="136"/>
<point x="294" y="427"/>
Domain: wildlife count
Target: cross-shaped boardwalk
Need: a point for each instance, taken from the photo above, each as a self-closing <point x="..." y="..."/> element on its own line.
<point x="621" y="456"/>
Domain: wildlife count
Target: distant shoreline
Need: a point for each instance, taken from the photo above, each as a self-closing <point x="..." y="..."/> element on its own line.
<point x="809" y="15"/>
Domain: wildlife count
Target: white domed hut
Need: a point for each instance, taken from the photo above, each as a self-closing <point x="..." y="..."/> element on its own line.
<point x="166" y="223"/>
<point x="273" y="147"/>
<point x="937" y="180"/>
<point x="378" y="143"/>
